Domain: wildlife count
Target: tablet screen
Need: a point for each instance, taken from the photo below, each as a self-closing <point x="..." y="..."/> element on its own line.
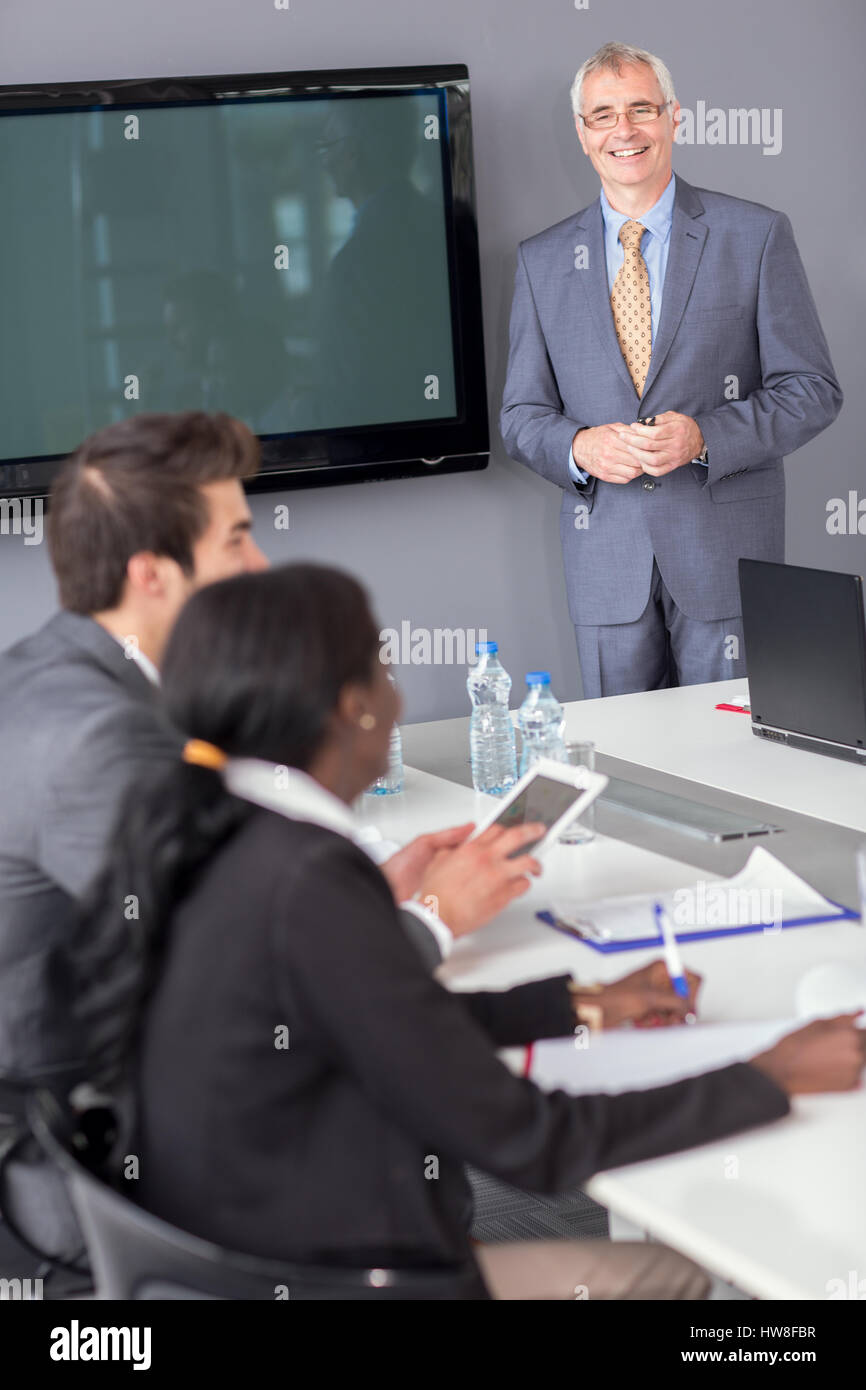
<point x="543" y="799"/>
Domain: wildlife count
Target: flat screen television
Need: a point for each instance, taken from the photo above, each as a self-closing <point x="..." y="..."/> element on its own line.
<point x="298" y="249"/>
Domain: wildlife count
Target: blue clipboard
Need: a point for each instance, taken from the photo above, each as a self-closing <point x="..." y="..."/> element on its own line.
<point x="644" y="943"/>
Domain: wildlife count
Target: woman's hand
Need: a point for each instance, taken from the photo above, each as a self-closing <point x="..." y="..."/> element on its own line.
<point x="645" y="998"/>
<point x="405" y="870"/>
<point x="826" y="1055"/>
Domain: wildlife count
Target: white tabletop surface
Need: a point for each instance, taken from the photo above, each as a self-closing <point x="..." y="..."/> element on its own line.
<point x="680" y="731"/>
<point x="778" y="1211"/>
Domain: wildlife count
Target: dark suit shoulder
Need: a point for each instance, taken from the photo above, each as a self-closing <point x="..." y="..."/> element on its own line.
<point x="276" y="829"/>
<point x="69" y="689"/>
<point x="66" y="669"/>
<point x="299" y="852"/>
<point x="300" y="856"/>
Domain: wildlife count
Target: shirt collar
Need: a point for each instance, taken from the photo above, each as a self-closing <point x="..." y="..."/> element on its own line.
<point x="657" y="220"/>
<point x="133" y="652"/>
<point x="290" y="792"/>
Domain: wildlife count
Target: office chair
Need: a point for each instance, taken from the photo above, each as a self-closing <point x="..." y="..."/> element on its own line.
<point x="137" y="1256"/>
<point x="35" y="1211"/>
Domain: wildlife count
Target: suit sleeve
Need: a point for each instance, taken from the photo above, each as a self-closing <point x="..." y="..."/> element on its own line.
<point x="83" y="796"/>
<point x="512" y="1017"/>
<point x="799" y="395"/>
<point x="535" y="429"/>
<point x="344" y="966"/>
<point x="541" y="1009"/>
<point x="421" y="937"/>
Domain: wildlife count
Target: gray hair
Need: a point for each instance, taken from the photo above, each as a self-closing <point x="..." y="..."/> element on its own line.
<point x="613" y="56"/>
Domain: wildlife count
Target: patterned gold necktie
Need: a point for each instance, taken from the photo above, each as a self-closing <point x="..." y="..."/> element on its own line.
<point x="630" y="302"/>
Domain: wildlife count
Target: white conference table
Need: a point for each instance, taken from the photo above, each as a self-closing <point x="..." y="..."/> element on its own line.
<point x="680" y="732"/>
<point x="794" y="1217"/>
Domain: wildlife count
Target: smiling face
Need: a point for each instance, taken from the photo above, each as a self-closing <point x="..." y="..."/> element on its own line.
<point x="632" y="161"/>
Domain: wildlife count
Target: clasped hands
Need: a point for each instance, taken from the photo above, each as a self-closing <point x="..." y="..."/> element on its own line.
<point x="617" y="453"/>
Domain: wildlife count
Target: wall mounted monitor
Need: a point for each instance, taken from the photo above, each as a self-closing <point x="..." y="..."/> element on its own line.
<point x="298" y="249"/>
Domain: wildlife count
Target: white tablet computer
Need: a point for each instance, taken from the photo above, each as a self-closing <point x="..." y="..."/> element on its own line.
<point x="552" y="793"/>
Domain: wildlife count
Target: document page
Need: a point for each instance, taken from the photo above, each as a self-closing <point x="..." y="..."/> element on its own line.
<point x="635" y="1059"/>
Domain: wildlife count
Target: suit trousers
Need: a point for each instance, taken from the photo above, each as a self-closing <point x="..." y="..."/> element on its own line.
<point x="589" y="1270"/>
<point x="662" y="648"/>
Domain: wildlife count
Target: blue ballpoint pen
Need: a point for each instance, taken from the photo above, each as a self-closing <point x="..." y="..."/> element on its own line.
<point x="672" y="956"/>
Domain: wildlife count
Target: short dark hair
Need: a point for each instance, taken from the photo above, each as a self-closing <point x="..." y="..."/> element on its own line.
<point x="134" y="486"/>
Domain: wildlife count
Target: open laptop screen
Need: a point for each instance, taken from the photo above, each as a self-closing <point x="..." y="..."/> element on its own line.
<point x="805" y="650"/>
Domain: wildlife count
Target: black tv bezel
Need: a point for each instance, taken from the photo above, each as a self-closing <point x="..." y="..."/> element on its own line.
<point x="368" y="453"/>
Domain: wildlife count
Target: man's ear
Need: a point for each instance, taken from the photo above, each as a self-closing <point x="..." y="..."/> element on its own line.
<point x="676" y="115"/>
<point x="144" y="573"/>
<point x="578" y="125"/>
<point x="156" y="577"/>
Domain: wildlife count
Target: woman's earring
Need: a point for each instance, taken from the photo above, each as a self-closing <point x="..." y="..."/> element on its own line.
<point x="367" y="722"/>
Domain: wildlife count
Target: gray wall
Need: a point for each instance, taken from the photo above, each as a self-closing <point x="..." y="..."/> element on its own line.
<point x="482" y="550"/>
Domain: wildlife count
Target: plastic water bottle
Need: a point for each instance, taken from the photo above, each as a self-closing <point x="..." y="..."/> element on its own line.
<point x="392" y="781"/>
<point x="491" y="733"/>
<point x="541" y="722"/>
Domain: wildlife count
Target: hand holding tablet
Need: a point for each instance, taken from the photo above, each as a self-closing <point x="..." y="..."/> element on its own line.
<point x="553" y="794"/>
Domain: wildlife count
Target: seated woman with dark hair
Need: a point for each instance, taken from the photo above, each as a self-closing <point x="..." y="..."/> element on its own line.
<point x="304" y="1088"/>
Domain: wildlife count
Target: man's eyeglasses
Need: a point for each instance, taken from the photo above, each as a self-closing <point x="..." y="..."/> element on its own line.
<point x="637" y="115"/>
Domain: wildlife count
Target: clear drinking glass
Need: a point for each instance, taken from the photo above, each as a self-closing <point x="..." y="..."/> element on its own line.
<point x="861" y="880"/>
<point x="582" y="830"/>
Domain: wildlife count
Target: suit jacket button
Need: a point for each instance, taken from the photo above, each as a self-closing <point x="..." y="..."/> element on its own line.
<point x="649" y="484"/>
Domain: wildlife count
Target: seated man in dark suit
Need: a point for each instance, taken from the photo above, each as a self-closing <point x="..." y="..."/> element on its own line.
<point x="143" y="513"/>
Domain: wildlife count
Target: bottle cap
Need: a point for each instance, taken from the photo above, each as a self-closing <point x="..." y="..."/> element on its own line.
<point x="488" y="647"/>
<point x="538" y="678"/>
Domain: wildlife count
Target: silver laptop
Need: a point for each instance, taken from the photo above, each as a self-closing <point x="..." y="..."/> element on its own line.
<point x="805" y="634"/>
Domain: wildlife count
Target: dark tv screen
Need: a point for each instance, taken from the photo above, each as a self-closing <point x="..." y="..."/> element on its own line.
<point x="299" y="250"/>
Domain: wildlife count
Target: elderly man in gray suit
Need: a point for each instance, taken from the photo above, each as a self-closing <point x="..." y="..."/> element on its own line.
<point x="665" y="354"/>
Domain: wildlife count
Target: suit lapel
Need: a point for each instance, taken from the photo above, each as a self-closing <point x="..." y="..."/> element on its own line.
<point x="687" y="243"/>
<point x="594" y="281"/>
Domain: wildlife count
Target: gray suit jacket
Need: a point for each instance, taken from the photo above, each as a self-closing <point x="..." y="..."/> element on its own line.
<point x="739" y="347"/>
<point x="78" y="723"/>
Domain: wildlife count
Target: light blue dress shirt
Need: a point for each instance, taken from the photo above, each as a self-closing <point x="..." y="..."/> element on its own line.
<point x="654" y="245"/>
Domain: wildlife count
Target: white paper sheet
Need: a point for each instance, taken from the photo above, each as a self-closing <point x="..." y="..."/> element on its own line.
<point x="764" y="891"/>
<point x="634" y="1059"/>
